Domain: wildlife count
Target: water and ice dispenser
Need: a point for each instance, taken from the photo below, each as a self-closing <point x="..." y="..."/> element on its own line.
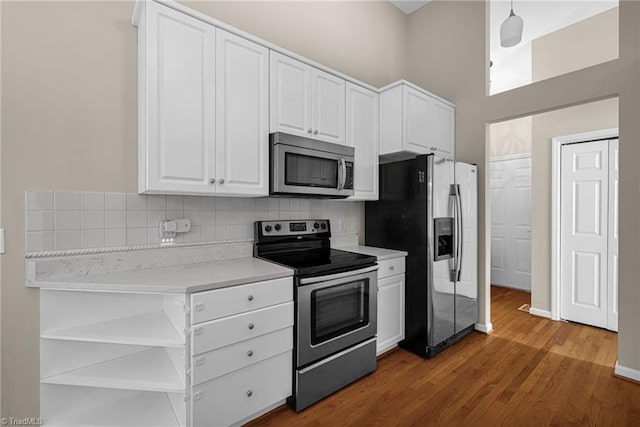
<point x="443" y="232"/>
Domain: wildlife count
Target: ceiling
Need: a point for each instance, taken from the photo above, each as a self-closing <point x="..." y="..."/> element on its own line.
<point x="512" y="66"/>
<point x="409" y="6"/>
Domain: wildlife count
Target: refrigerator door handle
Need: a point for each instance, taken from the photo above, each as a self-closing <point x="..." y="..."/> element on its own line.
<point x="459" y="234"/>
<point x="453" y="271"/>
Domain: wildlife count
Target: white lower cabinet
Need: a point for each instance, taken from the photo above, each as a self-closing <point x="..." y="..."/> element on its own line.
<point x="118" y="358"/>
<point x="391" y="282"/>
<point x="234" y="397"/>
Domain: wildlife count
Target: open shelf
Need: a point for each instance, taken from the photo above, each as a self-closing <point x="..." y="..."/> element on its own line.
<point x="149" y="370"/>
<point x="142" y="410"/>
<point x="152" y="329"/>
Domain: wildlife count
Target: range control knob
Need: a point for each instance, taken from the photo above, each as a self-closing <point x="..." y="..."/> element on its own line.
<point x="267" y="228"/>
<point x="277" y="227"/>
<point x="316" y="225"/>
<point x="324" y="226"/>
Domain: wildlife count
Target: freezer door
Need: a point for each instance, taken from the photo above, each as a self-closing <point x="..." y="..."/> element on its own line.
<point x="467" y="286"/>
<point x="441" y="291"/>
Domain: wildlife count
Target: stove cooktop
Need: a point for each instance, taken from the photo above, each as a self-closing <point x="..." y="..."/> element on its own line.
<point x="320" y="261"/>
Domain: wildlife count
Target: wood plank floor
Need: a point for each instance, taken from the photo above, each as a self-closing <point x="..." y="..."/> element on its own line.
<point x="530" y="372"/>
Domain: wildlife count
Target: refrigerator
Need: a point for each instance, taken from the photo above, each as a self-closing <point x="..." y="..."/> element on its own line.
<point x="428" y="207"/>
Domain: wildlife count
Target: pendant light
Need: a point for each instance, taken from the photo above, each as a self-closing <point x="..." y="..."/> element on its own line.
<point x="511" y="30"/>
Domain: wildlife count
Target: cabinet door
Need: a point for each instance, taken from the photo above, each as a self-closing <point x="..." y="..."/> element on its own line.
<point x="328" y="96"/>
<point x="290" y="95"/>
<point x="418" y="111"/>
<point x="242" y="111"/>
<point x="362" y="134"/>
<point x="444" y="128"/>
<point x="177" y="72"/>
<point x="390" y="312"/>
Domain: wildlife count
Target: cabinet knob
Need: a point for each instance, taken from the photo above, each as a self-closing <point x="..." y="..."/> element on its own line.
<point x="200" y="361"/>
<point x="250" y="297"/>
<point x="198" y="395"/>
<point x="315" y="132"/>
<point x="392" y="268"/>
<point x="212" y="181"/>
<point x="199" y="306"/>
<point x="221" y="180"/>
<point x="251" y="326"/>
<point x="309" y="130"/>
<point x="250" y="353"/>
<point x="249" y="393"/>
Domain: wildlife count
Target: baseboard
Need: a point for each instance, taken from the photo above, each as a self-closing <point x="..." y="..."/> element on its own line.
<point x="485" y="328"/>
<point x="541" y="313"/>
<point x="628" y="373"/>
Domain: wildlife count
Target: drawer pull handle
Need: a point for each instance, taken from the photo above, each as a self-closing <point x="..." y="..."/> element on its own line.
<point x="200" y="361"/>
<point x="198" y="331"/>
<point x="198" y="395"/>
<point x="251" y="326"/>
<point x="249" y="393"/>
<point x="250" y="353"/>
<point x="250" y="297"/>
<point x="392" y="268"/>
<point x="199" y="306"/>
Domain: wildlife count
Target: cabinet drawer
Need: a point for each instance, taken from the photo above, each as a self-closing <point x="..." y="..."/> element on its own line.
<point x="390" y="267"/>
<point x="240" y="394"/>
<point x="219" y="362"/>
<point x="219" y="303"/>
<point x="241" y="327"/>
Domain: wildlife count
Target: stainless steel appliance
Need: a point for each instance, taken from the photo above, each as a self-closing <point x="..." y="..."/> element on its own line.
<point x="307" y="167"/>
<point x="428" y="207"/>
<point x="335" y="306"/>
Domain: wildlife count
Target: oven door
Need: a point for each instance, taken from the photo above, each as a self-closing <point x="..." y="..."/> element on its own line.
<point x="299" y="170"/>
<point x="335" y="312"/>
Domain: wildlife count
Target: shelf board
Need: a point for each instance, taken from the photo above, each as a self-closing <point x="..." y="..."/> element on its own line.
<point x="153" y="329"/>
<point x="143" y="410"/>
<point x="149" y="370"/>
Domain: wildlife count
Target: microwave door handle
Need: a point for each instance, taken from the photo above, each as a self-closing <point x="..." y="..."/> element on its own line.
<point x="342" y="175"/>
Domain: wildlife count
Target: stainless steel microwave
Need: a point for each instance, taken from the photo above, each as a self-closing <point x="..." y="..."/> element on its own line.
<point x="306" y="167"/>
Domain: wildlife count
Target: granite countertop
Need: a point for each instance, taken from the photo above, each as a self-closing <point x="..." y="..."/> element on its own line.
<point x="380" y="253"/>
<point x="183" y="278"/>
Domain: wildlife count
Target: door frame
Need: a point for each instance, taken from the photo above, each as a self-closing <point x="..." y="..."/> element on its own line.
<point x="556" y="158"/>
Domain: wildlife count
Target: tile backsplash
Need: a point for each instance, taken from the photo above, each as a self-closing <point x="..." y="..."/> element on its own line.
<point x="63" y="220"/>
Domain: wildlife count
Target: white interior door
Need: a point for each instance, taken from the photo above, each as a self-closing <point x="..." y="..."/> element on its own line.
<point x="511" y="223"/>
<point x="612" y="288"/>
<point x="584" y="199"/>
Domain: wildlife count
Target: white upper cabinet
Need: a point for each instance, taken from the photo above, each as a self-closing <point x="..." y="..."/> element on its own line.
<point x="242" y="106"/>
<point x="444" y="128"/>
<point x="412" y="121"/>
<point x="328" y="97"/>
<point x="203" y="108"/>
<point x="306" y="101"/>
<point x="290" y="99"/>
<point x="362" y="134"/>
<point x="177" y="69"/>
<point x="417" y="115"/>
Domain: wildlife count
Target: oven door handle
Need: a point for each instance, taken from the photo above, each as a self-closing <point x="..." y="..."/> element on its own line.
<point x="310" y="280"/>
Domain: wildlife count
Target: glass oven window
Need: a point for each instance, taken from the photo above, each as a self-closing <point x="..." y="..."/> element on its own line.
<point x="339" y="309"/>
<point x="310" y="171"/>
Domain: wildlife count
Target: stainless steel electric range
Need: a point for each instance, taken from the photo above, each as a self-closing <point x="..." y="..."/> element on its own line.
<point x="335" y="306"/>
